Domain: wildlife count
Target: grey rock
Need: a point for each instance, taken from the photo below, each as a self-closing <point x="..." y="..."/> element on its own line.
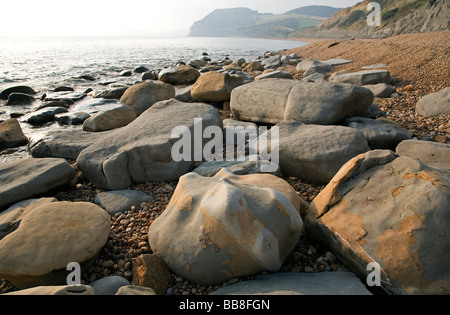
<point x="19" y="99"/>
<point x="110" y="119"/>
<point x="379" y="135"/>
<point x="315" y="77"/>
<point x="141" y="151"/>
<point x="434" y="104"/>
<point x="364" y="77"/>
<point x="337" y="61"/>
<point x="56" y="290"/>
<point x="109" y="285"/>
<point x="26" y="178"/>
<point x="322" y="283"/>
<point x="74" y="119"/>
<point x="381" y="90"/>
<point x="184" y="94"/>
<point x="141" y="69"/>
<point x="151" y="75"/>
<point x="179" y="75"/>
<point x="126" y="73"/>
<point x="275" y="100"/>
<point x="211" y="168"/>
<point x="121" y="200"/>
<point x="272" y="62"/>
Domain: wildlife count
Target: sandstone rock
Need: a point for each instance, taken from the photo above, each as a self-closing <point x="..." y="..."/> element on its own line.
<point x="315" y="153"/>
<point x="379" y="135"/>
<point x="121" y="200"/>
<point x="11" y="134"/>
<point x="11" y="217"/>
<point x="238" y="225"/>
<point x="434" y="104"/>
<point x="73" y="119"/>
<point x="211" y="168"/>
<point x="141" y="151"/>
<point x="392" y="211"/>
<point x="48" y="239"/>
<point x="179" y="75"/>
<point x="65" y="144"/>
<point x="151" y="75"/>
<point x="16" y="89"/>
<point x="56" y="290"/>
<point x="151" y="271"/>
<point x="111" y="119"/>
<point x="363" y="77"/>
<point x="27" y="178"/>
<point x="275" y="100"/>
<point x="322" y="283"/>
<point x="19" y="99"/>
<point x="142" y="96"/>
<point x="215" y="87"/>
<point x="197" y="63"/>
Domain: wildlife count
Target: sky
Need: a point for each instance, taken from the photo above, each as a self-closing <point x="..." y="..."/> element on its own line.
<point x="125" y="17"/>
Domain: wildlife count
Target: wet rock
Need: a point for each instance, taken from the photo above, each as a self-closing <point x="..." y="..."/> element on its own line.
<point x="16" y="89"/>
<point x="179" y="75"/>
<point x="19" y="99"/>
<point x="27" y="178"/>
<point x="43" y="116"/>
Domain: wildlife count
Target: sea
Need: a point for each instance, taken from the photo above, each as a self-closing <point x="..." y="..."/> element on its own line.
<point x="46" y="62"/>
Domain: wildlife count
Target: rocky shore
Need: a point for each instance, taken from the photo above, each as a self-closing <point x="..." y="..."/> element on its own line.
<point x="88" y="176"/>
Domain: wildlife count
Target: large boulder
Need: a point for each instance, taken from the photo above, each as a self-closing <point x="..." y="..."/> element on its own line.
<point x="11" y="134"/>
<point x="66" y="144"/>
<point x="218" y="228"/>
<point x="313" y="153"/>
<point x="365" y="77"/>
<point x="276" y="100"/>
<point x="179" y="75"/>
<point x="48" y="239"/>
<point x="388" y="210"/>
<point x="434" y="104"/>
<point x="142" y="96"/>
<point x="27" y="178"/>
<point x="215" y="87"/>
<point x="141" y="151"/>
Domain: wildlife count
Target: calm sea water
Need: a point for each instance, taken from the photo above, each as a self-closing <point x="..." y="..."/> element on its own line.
<point x="43" y="63"/>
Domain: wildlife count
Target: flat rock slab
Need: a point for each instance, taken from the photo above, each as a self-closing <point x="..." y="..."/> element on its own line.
<point x="141" y="151"/>
<point x="27" y="178"/>
<point x="49" y="238"/>
<point x="121" y="200"/>
<point x="337" y="61"/>
<point x="322" y="283"/>
<point x="95" y="105"/>
<point x="66" y="144"/>
<point x="59" y="96"/>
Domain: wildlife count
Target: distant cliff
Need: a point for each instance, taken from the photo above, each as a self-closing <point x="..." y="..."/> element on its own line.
<point x="397" y="17"/>
<point x="243" y="22"/>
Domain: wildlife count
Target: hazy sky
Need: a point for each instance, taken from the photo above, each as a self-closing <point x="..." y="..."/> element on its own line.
<point x="125" y="17"/>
